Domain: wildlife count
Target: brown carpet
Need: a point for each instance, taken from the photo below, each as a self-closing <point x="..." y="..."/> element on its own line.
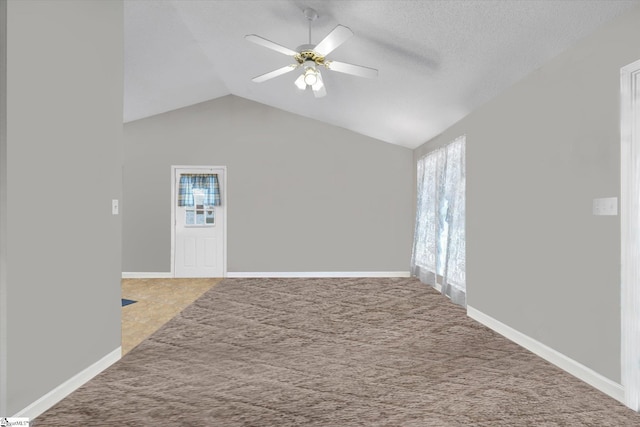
<point x="331" y="352"/>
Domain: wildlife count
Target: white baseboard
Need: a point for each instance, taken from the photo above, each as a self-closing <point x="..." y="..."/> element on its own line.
<point x="236" y="274"/>
<point x="66" y="388"/>
<point x="146" y="275"/>
<point x="565" y="363"/>
<point x="282" y="274"/>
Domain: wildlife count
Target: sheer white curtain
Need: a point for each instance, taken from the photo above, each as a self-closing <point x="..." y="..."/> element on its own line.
<point x="438" y="257"/>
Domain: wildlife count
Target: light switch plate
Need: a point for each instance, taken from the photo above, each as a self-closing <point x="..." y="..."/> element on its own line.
<point x="114" y="207"/>
<point x="605" y="206"/>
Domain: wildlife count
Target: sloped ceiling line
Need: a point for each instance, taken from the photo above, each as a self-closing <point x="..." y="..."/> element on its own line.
<point x="437" y="60"/>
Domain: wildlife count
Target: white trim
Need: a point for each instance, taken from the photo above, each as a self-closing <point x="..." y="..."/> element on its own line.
<point x="565" y="363"/>
<point x="223" y="190"/>
<point x="147" y="275"/>
<point x="238" y="274"/>
<point x="630" y="232"/>
<point x="66" y="388"/>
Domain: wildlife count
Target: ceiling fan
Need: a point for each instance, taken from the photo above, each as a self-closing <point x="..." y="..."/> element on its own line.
<point x="310" y="58"/>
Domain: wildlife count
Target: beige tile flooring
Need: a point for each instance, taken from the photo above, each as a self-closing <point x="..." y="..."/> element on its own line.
<point x="158" y="301"/>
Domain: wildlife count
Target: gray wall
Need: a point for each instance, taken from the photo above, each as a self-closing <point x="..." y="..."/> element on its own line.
<point x="3" y="207"/>
<point x="302" y="195"/>
<point x="537" y="259"/>
<point x="62" y="262"/>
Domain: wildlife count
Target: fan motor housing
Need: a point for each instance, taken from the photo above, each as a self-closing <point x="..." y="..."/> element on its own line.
<point x="306" y="53"/>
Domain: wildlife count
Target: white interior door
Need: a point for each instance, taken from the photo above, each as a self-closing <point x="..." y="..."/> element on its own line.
<point x="630" y="233"/>
<point x="199" y="225"/>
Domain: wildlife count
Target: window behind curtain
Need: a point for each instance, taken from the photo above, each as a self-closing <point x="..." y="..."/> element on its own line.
<point x="198" y="194"/>
<point x="199" y="185"/>
<point x="439" y="241"/>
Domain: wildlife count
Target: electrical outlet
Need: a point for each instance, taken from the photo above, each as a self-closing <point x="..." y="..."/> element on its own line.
<point x="605" y="206"/>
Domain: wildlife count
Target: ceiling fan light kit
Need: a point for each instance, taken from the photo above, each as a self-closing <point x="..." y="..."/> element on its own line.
<point x="300" y="83"/>
<point x="309" y="57"/>
<point x="310" y="76"/>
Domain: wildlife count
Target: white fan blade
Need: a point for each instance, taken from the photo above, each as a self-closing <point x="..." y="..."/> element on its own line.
<point x="319" y="90"/>
<point x="335" y="38"/>
<point x="274" y="73"/>
<point x="269" y="44"/>
<point x="355" y="70"/>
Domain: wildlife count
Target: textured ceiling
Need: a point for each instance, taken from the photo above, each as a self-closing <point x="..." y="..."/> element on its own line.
<point x="437" y="60"/>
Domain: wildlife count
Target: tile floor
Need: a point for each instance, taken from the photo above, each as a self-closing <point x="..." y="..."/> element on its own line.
<point x="158" y="301"/>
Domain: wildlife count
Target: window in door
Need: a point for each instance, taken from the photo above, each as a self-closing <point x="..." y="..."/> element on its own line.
<point x="199" y="194"/>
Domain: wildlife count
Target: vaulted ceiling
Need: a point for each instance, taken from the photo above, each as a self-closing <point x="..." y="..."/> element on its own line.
<point x="437" y="60"/>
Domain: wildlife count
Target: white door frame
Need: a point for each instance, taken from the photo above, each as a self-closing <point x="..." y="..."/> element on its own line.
<point x="223" y="195"/>
<point x="630" y="233"/>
